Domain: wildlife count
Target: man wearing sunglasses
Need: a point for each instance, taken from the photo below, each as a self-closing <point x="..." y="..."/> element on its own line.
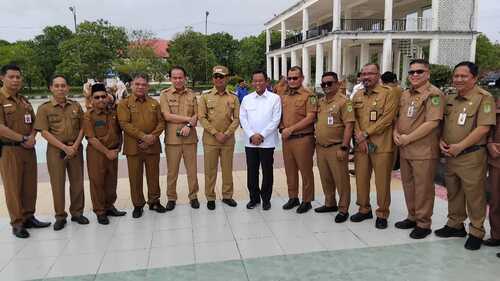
<point x="102" y="130"/>
<point x="417" y="135"/>
<point x="297" y="131"/>
<point x="219" y="114"/>
<point x="375" y="109"/>
<point x="334" y="126"/>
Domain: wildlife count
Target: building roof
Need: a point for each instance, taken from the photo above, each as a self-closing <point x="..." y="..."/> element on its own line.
<point x="160" y="46"/>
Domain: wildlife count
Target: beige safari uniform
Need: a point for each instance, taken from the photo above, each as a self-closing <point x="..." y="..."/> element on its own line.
<point x="218" y="113"/>
<point x="465" y="175"/>
<point x="333" y="116"/>
<point x="419" y="158"/>
<point x="180" y="103"/>
<point x="65" y="123"/>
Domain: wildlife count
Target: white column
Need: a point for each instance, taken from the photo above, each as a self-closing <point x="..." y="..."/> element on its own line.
<point x="345" y="60"/>
<point x="336" y="14"/>
<point x="336" y="55"/>
<point x="388" y="14"/>
<point x="269" y="67"/>
<point x="387" y="54"/>
<point x="306" y="66"/>
<point x="404" y="73"/>
<point x="329" y="60"/>
<point x="397" y="63"/>
<point x="276" y="68"/>
<point x="435" y="15"/>
<point x="268" y="39"/>
<point x="434" y="51"/>
<point x="283" y="34"/>
<point x="284" y="66"/>
<point x="364" y="56"/>
<point x="473" y="49"/>
<point x="475" y="19"/>
<point x="293" y="58"/>
<point x="305" y="23"/>
<point x="319" y="63"/>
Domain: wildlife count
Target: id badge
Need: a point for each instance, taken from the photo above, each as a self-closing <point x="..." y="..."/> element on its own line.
<point x="462" y="117"/>
<point x="373" y="115"/>
<point x="330" y="120"/>
<point x="411" y="111"/>
<point x="27" y="119"/>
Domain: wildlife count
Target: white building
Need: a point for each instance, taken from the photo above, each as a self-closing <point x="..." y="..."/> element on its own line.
<point x="343" y="35"/>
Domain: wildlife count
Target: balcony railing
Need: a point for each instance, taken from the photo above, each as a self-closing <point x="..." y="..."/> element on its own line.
<point x="362" y="24"/>
<point x="275" y="46"/>
<point x="293" y="39"/>
<point x="412" y="24"/>
<point x="320" y="30"/>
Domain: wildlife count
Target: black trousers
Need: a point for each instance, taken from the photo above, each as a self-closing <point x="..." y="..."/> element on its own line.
<point x="256" y="157"/>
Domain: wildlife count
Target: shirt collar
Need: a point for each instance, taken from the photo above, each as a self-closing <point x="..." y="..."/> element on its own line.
<point x="142" y="99"/>
<point x="420" y="89"/>
<point x="55" y="103"/>
<point x="469" y="94"/>
<point x="264" y="95"/>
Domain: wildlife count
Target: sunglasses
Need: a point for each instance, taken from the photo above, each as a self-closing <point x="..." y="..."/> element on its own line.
<point x="327" y="84"/>
<point x="413" y="72"/>
<point x="100" y="97"/>
<point x="218" y="76"/>
<point x="294" y="78"/>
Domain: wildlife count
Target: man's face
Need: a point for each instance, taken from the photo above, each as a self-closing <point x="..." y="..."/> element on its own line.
<point x="295" y="79"/>
<point x="140" y="87"/>
<point x="178" y="79"/>
<point x="329" y="85"/>
<point x="100" y="100"/>
<point x="418" y="75"/>
<point x="259" y="82"/>
<point x="370" y="76"/>
<point x="219" y="80"/>
<point x="59" y="88"/>
<point x="13" y="80"/>
<point x="463" y="80"/>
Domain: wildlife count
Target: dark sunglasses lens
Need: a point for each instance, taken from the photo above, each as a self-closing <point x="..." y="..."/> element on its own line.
<point x="99" y="97"/>
<point x="327" y="84"/>
<point x="412" y="72"/>
<point x="218" y="76"/>
<point x="293" y="78"/>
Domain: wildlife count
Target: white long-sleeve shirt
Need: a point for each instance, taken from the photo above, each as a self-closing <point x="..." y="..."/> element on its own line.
<point x="261" y="115"/>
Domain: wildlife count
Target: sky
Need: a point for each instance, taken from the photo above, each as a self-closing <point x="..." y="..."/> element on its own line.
<point x="24" y="19"/>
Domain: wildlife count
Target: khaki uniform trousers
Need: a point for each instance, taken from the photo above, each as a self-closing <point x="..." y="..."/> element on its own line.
<point x="298" y="156"/>
<point x="103" y="174"/>
<point x="19" y="176"/>
<point x="188" y="154"/>
<point x="135" y="164"/>
<point x="494" y="214"/>
<point x="334" y="176"/>
<point x="212" y="153"/>
<point x="381" y="164"/>
<point x="418" y="186"/>
<point x="465" y="179"/>
<point x="57" y="167"/>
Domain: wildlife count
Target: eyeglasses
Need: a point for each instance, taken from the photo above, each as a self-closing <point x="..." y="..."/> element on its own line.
<point x="328" y="84"/>
<point x="101" y="97"/>
<point x="294" y="78"/>
<point x="218" y="76"/>
<point x="418" y="71"/>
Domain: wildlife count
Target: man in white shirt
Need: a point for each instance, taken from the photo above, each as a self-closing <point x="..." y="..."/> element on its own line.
<point x="260" y="115"/>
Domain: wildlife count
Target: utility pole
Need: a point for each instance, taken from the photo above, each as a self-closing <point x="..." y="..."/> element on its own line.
<point x="73" y="10"/>
<point x="206" y="40"/>
<point x="206" y="22"/>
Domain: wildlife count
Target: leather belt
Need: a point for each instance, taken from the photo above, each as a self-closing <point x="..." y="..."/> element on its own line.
<point x="298" y="136"/>
<point x="471" y="149"/>
<point x="328" y="145"/>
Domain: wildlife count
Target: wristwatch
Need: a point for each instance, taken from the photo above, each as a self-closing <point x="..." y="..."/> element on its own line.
<point x="25" y="139"/>
<point x="344" y="147"/>
<point x="189" y="125"/>
<point x="365" y="134"/>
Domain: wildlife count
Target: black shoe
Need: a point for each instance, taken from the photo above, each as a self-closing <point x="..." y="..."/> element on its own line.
<point x="81" y="219"/>
<point x="32" y="222"/>
<point x="102" y="219"/>
<point x="266" y="206"/>
<point x="252" y="204"/>
<point x="447" y="232"/>
<point x="230" y="202"/>
<point x="381" y="223"/>
<point x="170" y="205"/>
<point x="195" y="204"/>
<point x="20" y="232"/>
<point x="157" y="207"/>
<point x="292" y="203"/>
<point x="211" y="205"/>
<point x="473" y="243"/>
<point x="113" y="212"/>
<point x="59" y="224"/>
<point x="304" y="207"/>
<point x="341" y="217"/>
<point x="498" y="255"/>
<point x="420" y="233"/>
<point x="359" y="217"/>
<point x="491" y="242"/>
<point x="137" y="213"/>
<point x="405" y="224"/>
<point x="325" y="209"/>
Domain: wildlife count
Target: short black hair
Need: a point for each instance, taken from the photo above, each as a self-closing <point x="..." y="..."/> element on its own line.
<point x="374" y="64"/>
<point x="177" y="67"/>
<point x="296" y="68"/>
<point x="389" y="77"/>
<point x="98" y="87"/>
<point x="331" y="74"/>
<point x="57" y="76"/>
<point x="140" y="75"/>
<point x="358" y="75"/>
<point x="260" y="72"/>
<point x="473" y="68"/>
<point x="420" y="61"/>
<point x="8" y="67"/>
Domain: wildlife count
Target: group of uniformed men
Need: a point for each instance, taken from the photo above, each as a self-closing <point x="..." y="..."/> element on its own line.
<point x="421" y="123"/>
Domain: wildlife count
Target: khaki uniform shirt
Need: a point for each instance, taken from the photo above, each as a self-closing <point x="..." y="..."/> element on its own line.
<point x="219" y="113"/>
<point x="14" y="112"/>
<point x="140" y="117"/>
<point x="180" y="103"/>
<point x="375" y="112"/>
<point x="103" y="125"/>
<point x="479" y="109"/>
<point x="62" y="121"/>
<point x="296" y="104"/>
<point x="495" y="138"/>
<point x="333" y="115"/>
<point x="418" y="106"/>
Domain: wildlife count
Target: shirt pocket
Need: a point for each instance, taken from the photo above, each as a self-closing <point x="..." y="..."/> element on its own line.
<point x="300" y="107"/>
<point x="75" y="120"/>
<point x="101" y="128"/>
<point x="174" y="106"/>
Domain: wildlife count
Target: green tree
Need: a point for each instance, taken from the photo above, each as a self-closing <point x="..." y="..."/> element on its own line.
<point x="487" y="54"/>
<point x="251" y="54"/>
<point x="225" y="49"/>
<point x="440" y="75"/>
<point x="22" y="53"/>
<point x="189" y="49"/>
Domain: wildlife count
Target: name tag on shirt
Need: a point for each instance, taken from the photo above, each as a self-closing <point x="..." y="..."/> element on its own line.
<point x="373" y="115"/>
<point x="462" y="117"/>
<point x="27" y="119"/>
<point x="330" y="120"/>
<point x="100" y="123"/>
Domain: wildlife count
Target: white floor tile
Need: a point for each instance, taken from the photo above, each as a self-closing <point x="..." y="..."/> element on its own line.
<point x="124" y="261"/>
<point x="343" y="239"/>
<point x="251" y="231"/>
<point x="217" y="251"/>
<point x="246" y="216"/>
<point x="261" y="247"/>
<point x="164" y="238"/>
<point x="76" y="265"/>
<point x="87" y="245"/>
<point x="171" y="256"/>
<point x="130" y="241"/>
<point x="27" y="269"/>
<point x="42" y="249"/>
<point x="213" y="233"/>
<point x="168" y="222"/>
<point x="297" y="245"/>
